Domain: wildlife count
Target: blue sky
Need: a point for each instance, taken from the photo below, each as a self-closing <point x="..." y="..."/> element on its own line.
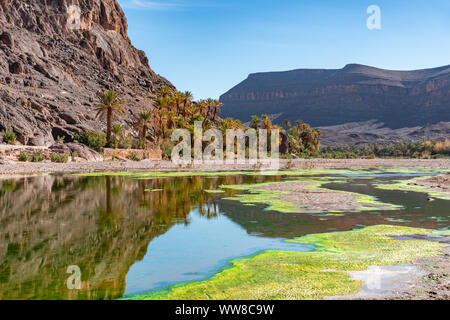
<point x="208" y="46"/>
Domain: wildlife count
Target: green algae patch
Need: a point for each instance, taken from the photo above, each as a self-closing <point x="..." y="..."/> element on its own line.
<point x="160" y="174"/>
<point x="440" y="233"/>
<point x="214" y="191"/>
<point x="397" y="220"/>
<point x="291" y="275"/>
<point x="153" y="190"/>
<point x="266" y="197"/>
<point x="412" y="185"/>
<point x="357" y="171"/>
<point x="275" y="200"/>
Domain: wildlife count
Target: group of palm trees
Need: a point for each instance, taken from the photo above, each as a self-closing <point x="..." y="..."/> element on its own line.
<point x="171" y="109"/>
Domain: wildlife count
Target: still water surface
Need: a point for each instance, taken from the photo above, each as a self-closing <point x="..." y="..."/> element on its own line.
<point x="128" y="240"/>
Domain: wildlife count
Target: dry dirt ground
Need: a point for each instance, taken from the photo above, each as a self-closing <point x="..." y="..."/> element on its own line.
<point x="442" y="183"/>
<point x="315" y="200"/>
<point x="435" y="285"/>
<point x="34" y="168"/>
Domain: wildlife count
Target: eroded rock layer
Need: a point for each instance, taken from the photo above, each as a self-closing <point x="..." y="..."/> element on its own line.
<point x="356" y="93"/>
<point x="56" y="56"/>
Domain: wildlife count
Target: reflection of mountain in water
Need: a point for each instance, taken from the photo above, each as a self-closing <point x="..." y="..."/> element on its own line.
<point x="101" y="224"/>
<point x="50" y="223"/>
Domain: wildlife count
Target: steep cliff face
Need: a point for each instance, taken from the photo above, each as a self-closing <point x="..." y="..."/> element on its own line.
<point x="56" y="56"/>
<point x="355" y="93"/>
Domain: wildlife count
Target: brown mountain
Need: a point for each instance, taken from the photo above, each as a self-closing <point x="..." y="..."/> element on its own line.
<point x="356" y="93"/>
<point x="56" y="56"/>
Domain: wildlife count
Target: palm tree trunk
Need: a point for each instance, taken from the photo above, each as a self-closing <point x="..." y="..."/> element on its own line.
<point x="144" y="131"/>
<point x="108" y="126"/>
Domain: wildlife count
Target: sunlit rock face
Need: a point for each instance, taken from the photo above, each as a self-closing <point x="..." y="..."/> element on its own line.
<point x="56" y="55"/>
<point x="356" y="93"/>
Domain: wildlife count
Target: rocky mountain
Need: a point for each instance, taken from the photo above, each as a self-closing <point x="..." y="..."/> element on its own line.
<point x="56" y="56"/>
<point x="369" y="132"/>
<point x="356" y="93"/>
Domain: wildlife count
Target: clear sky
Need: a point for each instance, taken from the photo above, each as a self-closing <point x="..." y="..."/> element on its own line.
<point x="209" y="46"/>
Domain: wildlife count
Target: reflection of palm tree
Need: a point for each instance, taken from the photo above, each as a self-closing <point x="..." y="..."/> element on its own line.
<point x="110" y="214"/>
<point x="108" y="196"/>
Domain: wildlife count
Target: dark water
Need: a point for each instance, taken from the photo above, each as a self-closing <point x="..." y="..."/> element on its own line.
<point x="126" y="240"/>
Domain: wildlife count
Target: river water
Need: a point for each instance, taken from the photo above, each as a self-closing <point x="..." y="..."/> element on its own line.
<point x="129" y="236"/>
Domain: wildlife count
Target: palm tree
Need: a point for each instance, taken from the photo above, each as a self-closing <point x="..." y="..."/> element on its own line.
<point x="202" y="106"/>
<point x="178" y="99"/>
<point x="214" y="107"/>
<point x="255" y="123"/>
<point x="110" y="105"/>
<point x="143" y="119"/>
<point x="267" y="124"/>
<point x="172" y="119"/>
<point x="117" y="130"/>
<point x="187" y="101"/>
<point x="287" y="124"/>
<point x="217" y="105"/>
<point x="161" y="118"/>
<point x="209" y="104"/>
<point x="165" y="92"/>
<point x="188" y="96"/>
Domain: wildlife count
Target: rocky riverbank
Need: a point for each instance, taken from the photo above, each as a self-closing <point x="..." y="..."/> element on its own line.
<point x="147" y="165"/>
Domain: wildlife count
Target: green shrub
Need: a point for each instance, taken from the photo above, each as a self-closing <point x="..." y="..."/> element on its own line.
<point x="93" y="139"/>
<point x="134" y="157"/>
<point x="166" y="147"/>
<point x="37" y="156"/>
<point x="126" y="142"/>
<point x="8" y="186"/>
<point x="9" y="136"/>
<point x="23" y="156"/>
<point x="60" y="158"/>
<point x="138" y="144"/>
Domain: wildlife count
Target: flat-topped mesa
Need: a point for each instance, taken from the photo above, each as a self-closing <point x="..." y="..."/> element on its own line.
<point x="56" y="55"/>
<point x="355" y="93"/>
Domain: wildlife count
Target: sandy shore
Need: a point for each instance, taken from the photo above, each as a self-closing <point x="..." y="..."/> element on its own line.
<point x="435" y="285"/>
<point x="316" y="200"/>
<point x="440" y="183"/>
<point x="78" y="167"/>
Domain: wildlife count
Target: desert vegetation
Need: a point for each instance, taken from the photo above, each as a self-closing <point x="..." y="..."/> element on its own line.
<point x="172" y="110"/>
<point x="418" y="150"/>
<point x="9" y="137"/>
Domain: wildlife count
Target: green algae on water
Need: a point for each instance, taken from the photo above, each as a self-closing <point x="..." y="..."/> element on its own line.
<point x="272" y="198"/>
<point x="290" y="275"/>
<point x="214" y="191"/>
<point x="357" y="171"/>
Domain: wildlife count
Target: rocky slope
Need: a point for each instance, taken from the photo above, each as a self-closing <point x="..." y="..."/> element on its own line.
<point x="56" y="56"/>
<point x="370" y="132"/>
<point x="355" y="93"/>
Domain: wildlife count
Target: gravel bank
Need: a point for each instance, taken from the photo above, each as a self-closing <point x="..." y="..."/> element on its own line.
<point x="85" y="167"/>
